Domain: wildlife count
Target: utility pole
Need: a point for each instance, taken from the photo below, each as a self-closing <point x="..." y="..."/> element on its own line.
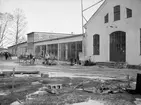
<point x="82" y="16"/>
<point x="83" y="40"/>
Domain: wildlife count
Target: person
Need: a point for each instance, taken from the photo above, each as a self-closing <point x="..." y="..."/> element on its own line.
<point x="32" y="59"/>
<point x="9" y="55"/>
<point x="6" y="55"/>
<point x="46" y="58"/>
<point x="30" y="56"/>
<point x="71" y="61"/>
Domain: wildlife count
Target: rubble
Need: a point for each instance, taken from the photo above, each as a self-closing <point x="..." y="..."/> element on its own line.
<point x="36" y="83"/>
<point x="44" y="75"/>
<point x="35" y="95"/>
<point x="137" y="101"/>
<point x="71" y="90"/>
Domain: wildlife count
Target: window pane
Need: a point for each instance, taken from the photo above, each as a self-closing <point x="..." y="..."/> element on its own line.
<point x="117" y="8"/>
<point x="129" y="12"/>
<point x="117" y="13"/>
<point x="106" y="18"/>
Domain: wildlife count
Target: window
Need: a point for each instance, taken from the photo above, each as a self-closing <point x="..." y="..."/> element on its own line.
<point x="96" y="44"/>
<point x="106" y="18"/>
<point x="117" y="13"/>
<point x="128" y="12"/>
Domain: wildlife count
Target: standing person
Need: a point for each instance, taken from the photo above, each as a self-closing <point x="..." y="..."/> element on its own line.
<point x="6" y="55"/>
<point x="9" y="55"/>
<point x="47" y="58"/>
<point x="30" y="56"/>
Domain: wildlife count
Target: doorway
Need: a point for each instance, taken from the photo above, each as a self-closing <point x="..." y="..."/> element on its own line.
<point x="118" y="46"/>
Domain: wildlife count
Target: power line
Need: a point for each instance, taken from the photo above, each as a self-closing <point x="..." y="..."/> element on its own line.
<point x="93" y="5"/>
<point x="82" y="16"/>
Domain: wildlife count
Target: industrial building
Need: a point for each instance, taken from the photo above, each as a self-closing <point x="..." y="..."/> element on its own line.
<point x="62" y="46"/>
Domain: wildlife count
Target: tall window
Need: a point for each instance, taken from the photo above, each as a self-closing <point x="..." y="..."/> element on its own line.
<point x="96" y="44"/>
<point x="128" y="12"/>
<point x="117" y="13"/>
<point x="106" y="18"/>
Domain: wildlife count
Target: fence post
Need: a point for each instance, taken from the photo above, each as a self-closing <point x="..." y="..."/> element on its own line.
<point x="13" y="81"/>
<point x="138" y="84"/>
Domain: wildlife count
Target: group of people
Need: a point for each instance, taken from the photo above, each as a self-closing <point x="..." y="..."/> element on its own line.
<point x="5" y="55"/>
<point x="27" y="57"/>
<point x="49" y="59"/>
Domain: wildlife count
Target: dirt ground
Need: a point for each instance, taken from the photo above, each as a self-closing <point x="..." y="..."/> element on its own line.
<point x="75" y="74"/>
<point x="24" y="86"/>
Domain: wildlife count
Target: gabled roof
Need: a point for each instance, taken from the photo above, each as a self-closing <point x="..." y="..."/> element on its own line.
<point x="97" y="11"/>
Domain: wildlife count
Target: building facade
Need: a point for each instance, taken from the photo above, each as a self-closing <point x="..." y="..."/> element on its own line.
<point x="61" y="46"/>
<point x="21" y="49"/>
<point x="113" y="33"/>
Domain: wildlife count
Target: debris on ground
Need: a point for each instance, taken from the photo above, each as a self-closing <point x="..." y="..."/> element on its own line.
<point x="64" y="90"/>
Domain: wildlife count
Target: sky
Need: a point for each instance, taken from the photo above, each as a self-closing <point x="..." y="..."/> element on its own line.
<point x="59" y="16"/>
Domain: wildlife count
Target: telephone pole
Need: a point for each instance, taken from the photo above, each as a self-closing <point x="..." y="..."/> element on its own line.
<point x="83" y="18"/>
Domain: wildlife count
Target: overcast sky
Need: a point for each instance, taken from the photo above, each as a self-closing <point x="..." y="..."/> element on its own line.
<point x="59" y="16"/>
<point x="63" y="16"/>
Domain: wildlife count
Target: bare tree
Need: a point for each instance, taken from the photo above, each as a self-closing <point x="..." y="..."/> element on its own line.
<point x="19" y="26"/>
<point x="5" y="23"/>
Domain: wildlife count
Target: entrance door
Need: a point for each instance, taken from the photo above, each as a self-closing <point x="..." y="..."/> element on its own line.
<point x="118" y="46"/>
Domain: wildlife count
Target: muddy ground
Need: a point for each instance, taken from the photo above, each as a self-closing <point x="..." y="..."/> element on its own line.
<point x="75" y="90"/>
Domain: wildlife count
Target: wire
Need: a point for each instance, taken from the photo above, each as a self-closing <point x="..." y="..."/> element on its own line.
<point x="93" y="5"/>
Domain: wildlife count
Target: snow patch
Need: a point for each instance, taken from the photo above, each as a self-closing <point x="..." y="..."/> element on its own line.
<point x="90" y="102"/>
<point x="62" y="74"/>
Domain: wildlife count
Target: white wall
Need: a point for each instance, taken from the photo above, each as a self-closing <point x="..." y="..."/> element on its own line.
<point x="131" y="26"/>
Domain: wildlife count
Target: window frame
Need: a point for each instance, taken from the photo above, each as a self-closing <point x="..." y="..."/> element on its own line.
<point x="128" y="13"/>
<point x="117" y="13"/>
<point x="106" y="18"/>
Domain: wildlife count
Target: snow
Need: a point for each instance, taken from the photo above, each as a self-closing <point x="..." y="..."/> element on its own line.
<point x="62" y="74"/>
<point x="90" y="102"/>
<point x="16" y="103"/>
<point x="2" y="94"/>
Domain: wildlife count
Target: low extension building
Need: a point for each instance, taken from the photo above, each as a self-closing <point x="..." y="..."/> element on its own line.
<point x="21" y="49"/>
<point x="3" y="49"/>
<point x="62" y="46"/>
